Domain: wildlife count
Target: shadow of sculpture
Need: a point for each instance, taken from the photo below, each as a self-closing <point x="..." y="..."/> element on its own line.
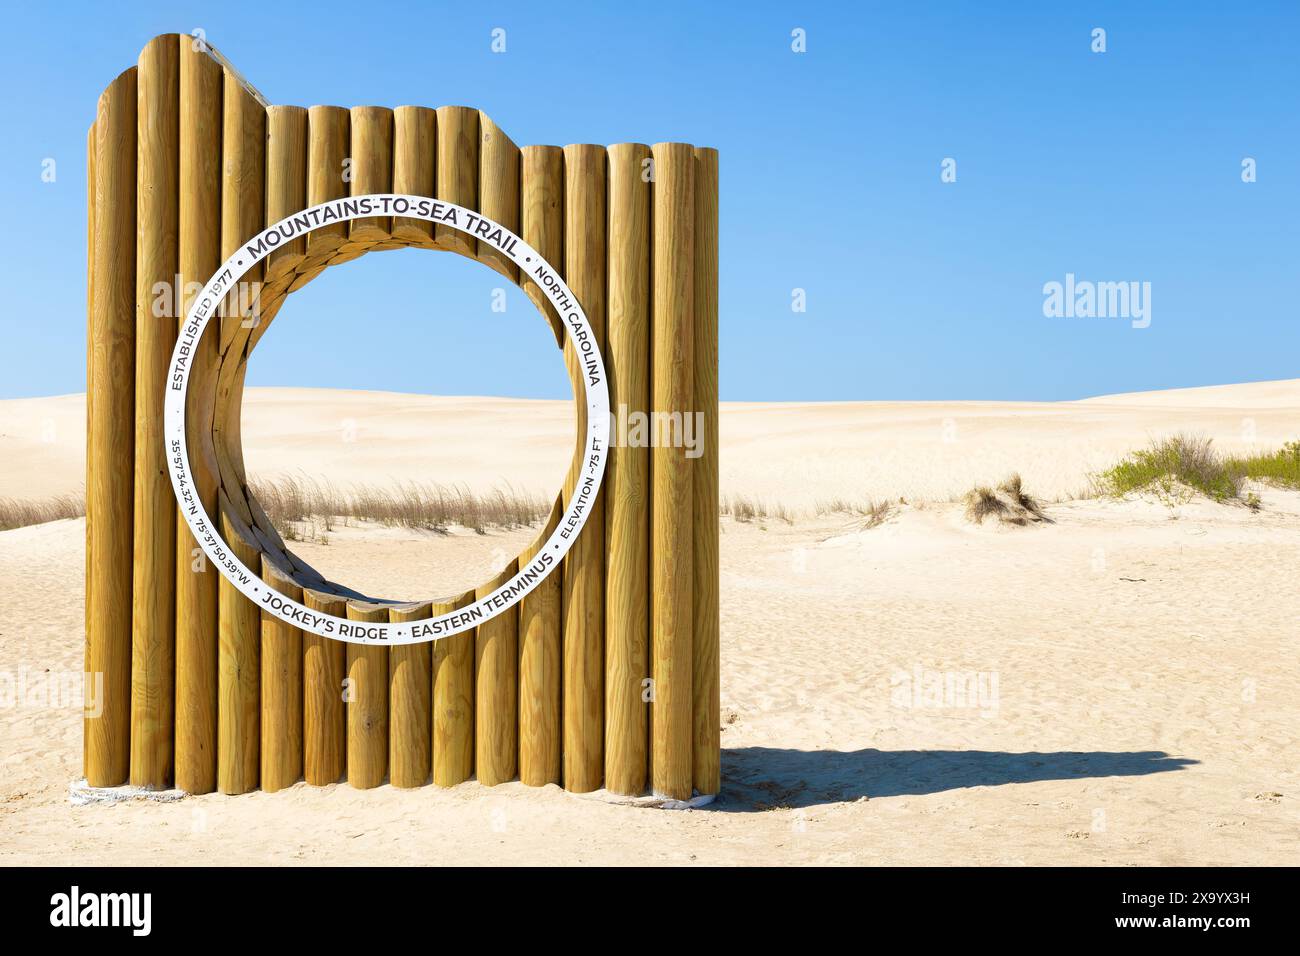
<point x="766" y="778"/>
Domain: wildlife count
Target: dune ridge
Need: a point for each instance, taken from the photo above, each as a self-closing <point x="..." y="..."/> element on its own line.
<point x="794" y="454"/>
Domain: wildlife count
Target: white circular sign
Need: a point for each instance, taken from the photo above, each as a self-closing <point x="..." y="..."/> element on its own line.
<point x="595" y="394"/>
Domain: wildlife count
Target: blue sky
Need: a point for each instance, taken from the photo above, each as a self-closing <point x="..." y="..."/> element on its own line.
<point x="1115" y="166"/>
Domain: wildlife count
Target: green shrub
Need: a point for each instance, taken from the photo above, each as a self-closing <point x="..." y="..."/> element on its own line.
<point x="1281" y="467"/>
<point x="1186" y="459"/>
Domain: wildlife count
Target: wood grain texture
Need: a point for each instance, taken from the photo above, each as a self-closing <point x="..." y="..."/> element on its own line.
<point x="282" y="687"/>
<point x="286" y="184"/>
<point x="328" y="145"/>
<point x="153" y="616"/>
<point x="110" y="462"/>
<point x="88" y="690"/>
<point x="496" y="689"/>
<point x="583" y="599"/>
<point x="243" y="215"/>
<point x="457" y="172"/>
<point x="372" y="168"/>
<point x="541" y="217"/>
<point x="453" y="701"/>
<point x="196" y="579"/>
<point x="239" y="667"/>
<point x="672" y="502"/>
<point x="706" y="666"/>
<point x="627" y="480"/>
<point x="324" y="732"/>
<point x="227" y="426"/>
<point x="415" y="130"/>
<point x="367" y="702"/>
<point x="410" y="702"/>
<point x="540" y="668"/>
<point x="498" y="187"/>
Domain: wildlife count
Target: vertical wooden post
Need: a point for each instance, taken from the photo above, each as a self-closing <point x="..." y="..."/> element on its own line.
<point x="243" y="213"/>
<point x="584" y="565"/>
<point x="372" y="167"/>
<point x="540" y="670"/>
<point x="410" y="713"/>
<point x="498" y="188"/>
<point x="541" y="217"/>
<point x="282" y="719"/>
<point x="328" y="143"/>
<point x="286" y="182"/>
<point x="706" y="665"/>
<point x="286" y="194"/>
<point x="239" y="667"/>
<point x="367" y="703"/>
<point x="496" y="690"/>
<point x="627" y="481"/>
<point x="414" y="134"/>
<point x="672" y="503"/>
<point x="323" y="718"/>
<point x="457" y="172"/>
<point x="110" y="463"/>
<point x="89" y="694"/>
<point x="453" y="701"/>
<point x="196" y="580"/>
<point x="153" y="605"/>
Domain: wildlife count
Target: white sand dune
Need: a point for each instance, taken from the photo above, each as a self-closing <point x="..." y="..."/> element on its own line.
<point x="1280" y="394"/>
<point x="1116" y="687"/>
<point x="796" y="454"/>
<point x="42" y="446"/>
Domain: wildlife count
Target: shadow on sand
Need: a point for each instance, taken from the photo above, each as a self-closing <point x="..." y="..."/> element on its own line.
<point x="766" y="778"/>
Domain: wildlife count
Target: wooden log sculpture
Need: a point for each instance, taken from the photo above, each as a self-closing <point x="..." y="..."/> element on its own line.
<point x="606" y="675"/>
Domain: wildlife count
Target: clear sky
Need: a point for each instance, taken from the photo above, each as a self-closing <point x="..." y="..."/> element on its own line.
<point x="1117" y="166"/>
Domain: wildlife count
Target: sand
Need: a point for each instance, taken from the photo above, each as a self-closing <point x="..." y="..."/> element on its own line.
<point x="796" y="454"/>
<point x="1116" y="687"/>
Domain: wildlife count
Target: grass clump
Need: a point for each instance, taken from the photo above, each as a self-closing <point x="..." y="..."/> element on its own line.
<point x="745" y="509"/>
<point x="1009" y="503"/>
<point x="1281" y="468"/>
<point x="875" y="512"/>
<point x="19" y="514"/>
<point x="1189" y="461"/>
<point x="1181" y="462"/>
<point x="300" y="508"/>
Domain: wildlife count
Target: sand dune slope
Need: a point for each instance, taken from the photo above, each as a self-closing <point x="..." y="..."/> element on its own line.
<point x="795" y="454"/>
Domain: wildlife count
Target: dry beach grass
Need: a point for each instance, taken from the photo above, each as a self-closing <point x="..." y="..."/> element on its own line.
<point x="297" y="505"/>
<point x="15" y="513"/>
